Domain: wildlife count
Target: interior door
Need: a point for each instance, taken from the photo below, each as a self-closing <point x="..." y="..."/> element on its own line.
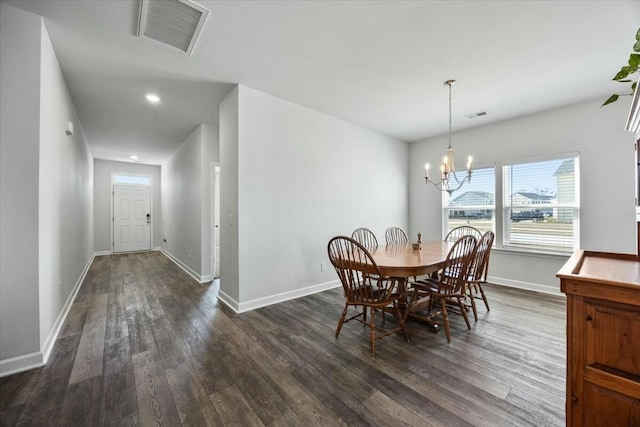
<point x="131" y="218"/>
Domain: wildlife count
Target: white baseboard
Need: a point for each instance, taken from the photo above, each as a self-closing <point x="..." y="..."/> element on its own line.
<point x="274" y="299"/>
<point x="102" y="253"/>
<point x="185" y="267"/>
<point x="22" y="363"/>
<point x="53" y="334"/>
<point x="157" y="248"/>
<point x="36" y="360"/>
<point x="537" y="287"/>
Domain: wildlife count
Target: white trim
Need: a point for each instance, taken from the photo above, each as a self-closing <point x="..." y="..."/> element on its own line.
<point x="102" y="253"/>
<point x="186" y="268"/>
<point x="537" y="287"/>
<point x="633" y="119"/>
<point x="38" y="359"/>
<point x="276" y="298"/>
<point x="228" y="301"/>
<point x="47" y="347"/>
<point x="157" y="248"/>
<point x="19" y="364"/>
<point x="542" y="158"/>
<point x="514" y="250"/>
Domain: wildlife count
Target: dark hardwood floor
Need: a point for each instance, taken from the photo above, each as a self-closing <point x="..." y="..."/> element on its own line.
<point x="144" y="344"/>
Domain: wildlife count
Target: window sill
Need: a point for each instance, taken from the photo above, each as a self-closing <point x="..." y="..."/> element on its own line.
<point x="529" y="252"/>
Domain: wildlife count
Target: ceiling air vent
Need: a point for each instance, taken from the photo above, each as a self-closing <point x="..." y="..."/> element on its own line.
<point x="176" y="23"/>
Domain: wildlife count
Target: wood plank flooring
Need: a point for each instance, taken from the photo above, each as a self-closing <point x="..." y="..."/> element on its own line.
<point x="144" y="344"/>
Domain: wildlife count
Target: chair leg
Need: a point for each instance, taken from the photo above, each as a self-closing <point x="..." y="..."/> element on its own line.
<point x="445" y="316"/>
<point x="372" y="333"/>
<point x="341" y="321"/>
<point x="484" y="297"/>
<point x="473" y="302"/>
<point x="464" y="312"/>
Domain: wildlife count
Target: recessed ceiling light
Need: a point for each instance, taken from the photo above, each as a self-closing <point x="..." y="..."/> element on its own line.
<point x="134" y="157"/>
<point x="154" y="99"/>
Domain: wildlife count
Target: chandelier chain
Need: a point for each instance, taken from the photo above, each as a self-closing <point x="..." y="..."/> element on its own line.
<point x="450" y="84"/>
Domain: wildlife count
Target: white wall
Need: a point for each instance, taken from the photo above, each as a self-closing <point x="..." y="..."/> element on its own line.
<point x="304" y="177"/>
<point x="46" y="193"/>
<point x="186" y="201"/>
<point x="65" y="197"/>
<point x="606" y="180"/>
<point x="102" y="200"/>
<point x="19" y="157"/>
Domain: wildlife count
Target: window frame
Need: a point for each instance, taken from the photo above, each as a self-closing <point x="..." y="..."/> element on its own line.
<point x="501" y="217"/>
<point x="507" y="208"/>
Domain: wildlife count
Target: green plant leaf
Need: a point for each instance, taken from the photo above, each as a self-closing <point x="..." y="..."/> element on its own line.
<point x="624" y="72"/>
<point x="612" y="98"/>
<point x="624" y="81"/>
<point x="638" y="35"/>
<point x="634" y="60"/>
<point x="636" y="47"/>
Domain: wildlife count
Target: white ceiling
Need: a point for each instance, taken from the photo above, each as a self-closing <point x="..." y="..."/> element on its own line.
<point x="377" y="64"/>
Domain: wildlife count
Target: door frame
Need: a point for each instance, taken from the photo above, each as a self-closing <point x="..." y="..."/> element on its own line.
<point x="112" y="213"/>
<point x="214" y="219"/>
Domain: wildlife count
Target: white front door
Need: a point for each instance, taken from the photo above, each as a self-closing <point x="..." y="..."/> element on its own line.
<point x="131" y="218"/>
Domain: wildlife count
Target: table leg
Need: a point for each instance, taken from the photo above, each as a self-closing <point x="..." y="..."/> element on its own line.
<point x="407" y="315"/>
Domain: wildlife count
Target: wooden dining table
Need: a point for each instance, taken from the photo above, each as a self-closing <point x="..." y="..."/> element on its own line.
<point x="404" y="262"/>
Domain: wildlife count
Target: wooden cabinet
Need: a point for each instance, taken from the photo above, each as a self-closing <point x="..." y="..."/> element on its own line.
<point x="603" y="339"/>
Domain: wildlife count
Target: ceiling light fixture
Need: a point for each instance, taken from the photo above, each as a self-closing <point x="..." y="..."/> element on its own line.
<point x="447" y="169"/>
<point x="152" y="98"/>
<point x="134" y="157"/>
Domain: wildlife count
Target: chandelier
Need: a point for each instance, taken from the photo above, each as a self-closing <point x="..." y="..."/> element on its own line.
<point x="449" y="180"/>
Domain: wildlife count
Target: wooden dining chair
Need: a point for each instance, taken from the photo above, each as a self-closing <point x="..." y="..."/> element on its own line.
<point x="448" y="287"/>
<point x="455" y="233"/>
<point x="365" y="237"/>
<point x="364" y="286"/>
<point x="396" y="236"/>
<point x="477" y="274"/>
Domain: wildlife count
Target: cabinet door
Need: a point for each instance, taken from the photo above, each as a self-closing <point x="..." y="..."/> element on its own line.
<point x="612" y="337"/>
<point x="604" y="407"/>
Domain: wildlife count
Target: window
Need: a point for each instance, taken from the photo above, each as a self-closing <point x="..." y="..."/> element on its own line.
<point x="131" y="179"/>
<point x="541" y="205"/>
<point x="473" y="204"/>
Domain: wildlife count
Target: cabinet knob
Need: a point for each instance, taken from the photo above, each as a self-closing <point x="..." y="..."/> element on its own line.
<point x="589" y="318"/>
<point x="574" y="399"/>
